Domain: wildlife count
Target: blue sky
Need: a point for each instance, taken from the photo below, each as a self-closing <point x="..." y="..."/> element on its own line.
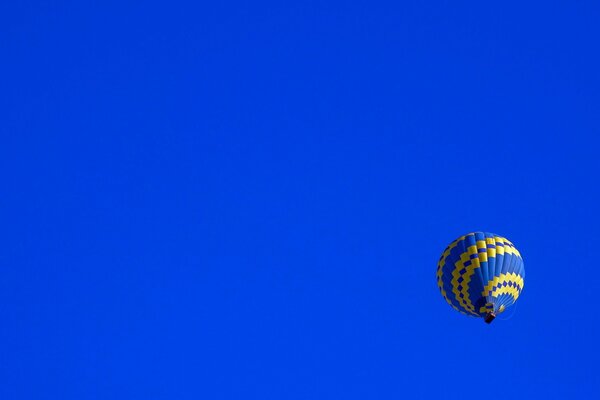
<point x="247" y="200"/>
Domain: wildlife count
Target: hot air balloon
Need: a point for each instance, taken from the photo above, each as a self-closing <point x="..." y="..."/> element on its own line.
<point x="481" y="274"/>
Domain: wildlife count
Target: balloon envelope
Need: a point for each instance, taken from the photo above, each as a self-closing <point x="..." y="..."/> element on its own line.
<point x="481" y="274"/>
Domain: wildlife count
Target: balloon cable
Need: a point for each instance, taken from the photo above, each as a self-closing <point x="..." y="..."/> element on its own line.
<point x="514" y="311"/>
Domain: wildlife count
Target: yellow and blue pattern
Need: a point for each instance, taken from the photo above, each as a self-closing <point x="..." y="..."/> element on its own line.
<point x="480" y="274"/>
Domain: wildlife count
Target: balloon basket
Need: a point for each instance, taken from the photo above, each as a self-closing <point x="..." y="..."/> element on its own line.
<point x="489" y="317"/>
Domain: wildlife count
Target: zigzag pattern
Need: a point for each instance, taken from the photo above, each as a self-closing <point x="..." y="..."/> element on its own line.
<point x="475" y="272"/>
